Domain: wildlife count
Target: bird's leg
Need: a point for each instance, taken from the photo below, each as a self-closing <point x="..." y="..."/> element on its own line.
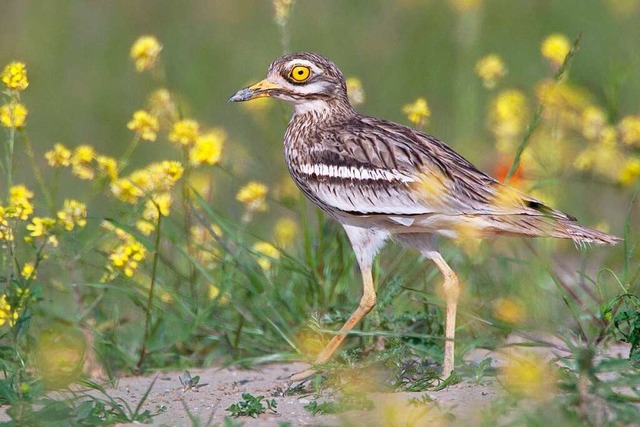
<point x="451" y="292"/>
<point x="366" y="244"/>
<point x="427" y="246"/>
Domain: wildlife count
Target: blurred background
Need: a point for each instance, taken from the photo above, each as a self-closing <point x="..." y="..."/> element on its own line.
<point x="84" y="89"/>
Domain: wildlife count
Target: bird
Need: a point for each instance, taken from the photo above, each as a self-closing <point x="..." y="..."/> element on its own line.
<point x="382" y="180"/>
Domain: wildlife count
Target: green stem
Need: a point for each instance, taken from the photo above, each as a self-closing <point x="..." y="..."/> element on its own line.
<point x="37" y="174"/>
<point x="535" y="120"/>
<point x="154" y="268"/>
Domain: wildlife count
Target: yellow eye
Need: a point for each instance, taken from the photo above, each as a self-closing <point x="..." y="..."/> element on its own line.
<point x="300" y="73"/>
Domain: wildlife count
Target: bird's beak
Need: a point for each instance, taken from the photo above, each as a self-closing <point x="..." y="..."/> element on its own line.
<point x="259" y="90"/>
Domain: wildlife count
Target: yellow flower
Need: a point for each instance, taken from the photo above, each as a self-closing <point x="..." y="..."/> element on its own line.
<point x="213" y="291"/>
<point x="13" y="115"/>
<point x="28" y="271"/>
<point x="145" y="125"/>
<point x="417" y="112"/>
<point x="145" y="52"/>
<point x="630" y="171"/>
<point x="593" y="121"/>
<point x="6" y="314"/>
<point x="40" y="226"/>
<point x="464" y="5"/>
<point x="490" y="69"/>
<point x="126" y="191"/>
<point x="208" y="148"/>
<point x="630" y="130"/>
<point x="508" y="116"/>
<point x="108" y="166"/>
<point x="282" y="9"/>
<point x="355" y="91"/>
<point x="6" y="233"/>
<point x="285" y="231"/>
<point x="60" y="156"/>
<point x="185" y="132"/>
<point x="510" y="311"/>
<point x="81" y="162"/>
<point x="253" y="196"/>
<point x="267" y="253"/>
<point x="529" y="376"/>
<point x="74" y="213"/>
<point x="14" y="76"/>
<point x="126" y="256"/>
<point x="555" y="48"/>
<point x="161" y="105"/>
<point x="158" y="204"/>
<point x="20" y="202"/>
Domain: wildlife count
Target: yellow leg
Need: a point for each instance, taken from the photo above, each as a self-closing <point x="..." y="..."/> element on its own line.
<point x="451" y="293"/>
<point x="366" y="244"/>
<point x="427" y="246"/>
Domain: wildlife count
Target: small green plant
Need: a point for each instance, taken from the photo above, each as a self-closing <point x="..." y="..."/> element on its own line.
<point x="252" y="406"/>
<point x="346" y="402"/>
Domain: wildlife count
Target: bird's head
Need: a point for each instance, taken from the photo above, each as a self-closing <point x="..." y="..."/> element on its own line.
<point x="307" y="80"/>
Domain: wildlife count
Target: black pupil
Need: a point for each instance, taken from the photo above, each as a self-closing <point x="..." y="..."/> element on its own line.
<point x="300" y="72"/>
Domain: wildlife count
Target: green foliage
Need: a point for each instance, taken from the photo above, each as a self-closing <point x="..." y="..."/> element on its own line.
<point x="252" y="406"/>
<point x="346" y="402"/>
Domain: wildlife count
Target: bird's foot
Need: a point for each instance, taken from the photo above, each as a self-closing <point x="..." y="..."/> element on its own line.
<point x="302" y="376"/>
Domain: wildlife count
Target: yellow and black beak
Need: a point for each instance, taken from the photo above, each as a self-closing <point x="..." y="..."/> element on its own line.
<point x="259" y="90"/>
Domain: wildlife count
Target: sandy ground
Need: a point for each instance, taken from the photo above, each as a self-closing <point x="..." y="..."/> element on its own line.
<point x="223" y="387"/>
<point x="218" y="388"/>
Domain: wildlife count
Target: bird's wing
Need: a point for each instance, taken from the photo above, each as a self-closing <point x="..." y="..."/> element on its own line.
<point x="374" y="167"/>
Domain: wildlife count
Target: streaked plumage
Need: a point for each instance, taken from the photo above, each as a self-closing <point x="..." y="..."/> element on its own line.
<point x="381" y="179"/>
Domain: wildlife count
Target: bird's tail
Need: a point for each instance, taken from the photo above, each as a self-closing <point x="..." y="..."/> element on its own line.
<point x="562" y="228"/>
<point x="570" y="230"/>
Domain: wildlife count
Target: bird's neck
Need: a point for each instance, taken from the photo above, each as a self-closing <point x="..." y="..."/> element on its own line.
<point x="322" y="111"/>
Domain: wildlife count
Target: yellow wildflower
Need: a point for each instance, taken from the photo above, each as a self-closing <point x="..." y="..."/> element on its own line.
<point x="160" y="204"/>
<point x="6" y="314"/>
<point x="185" y="132"/>
<point x="28" y="271"/>
<point x="126" y="191"/>
<point x="282" y="9"/>
<point x="355" y="91"/>
<point x="13" y="115"/>
<point x="81" y="162"/>
<point x="490" y="69"/>
<point x="40" y="226"/>
<point x="464" y="5"/>
<point x="6" y="233"/>
<point x="285" y="231"/>
<point x="630" y="130"/>
<point x="630" y="171"/>
<point x="108" y="166"/>
<point x="14" y="76"/>
<point x="208" y="148"/>
<point x="555" y="49"/>
<point x="530" y="376"/>
<point x="145" y="52"/>
<point x="593" y="121"/>
<point x="126" y="256"/>
<point x="213" y="291"/>
<point x="510" y="310"/>
<point x="417" y="112"/>
<point x="253" y="196"/>
<point x="60" y="156"/>
<point x="267" y="253"/>
<point x="161" y="105"/>
<point x="145" y="125"/>
<point x="508" y="117"/>
<point x="20" y="202"/>
<point x="73" y="213"/>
